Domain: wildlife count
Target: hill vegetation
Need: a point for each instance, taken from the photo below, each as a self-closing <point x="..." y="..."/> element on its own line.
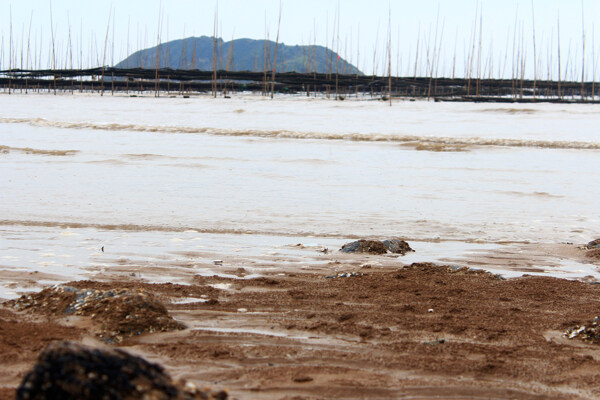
<point x="238" y="55"/>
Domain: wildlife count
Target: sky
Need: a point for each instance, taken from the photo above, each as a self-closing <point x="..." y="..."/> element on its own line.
<point x="434" y="37"/>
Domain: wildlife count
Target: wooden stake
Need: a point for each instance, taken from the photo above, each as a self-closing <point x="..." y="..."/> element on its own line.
<point x="275" y="59"/>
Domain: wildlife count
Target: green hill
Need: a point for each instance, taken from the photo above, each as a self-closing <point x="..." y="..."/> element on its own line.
<point x="238" y="55"/>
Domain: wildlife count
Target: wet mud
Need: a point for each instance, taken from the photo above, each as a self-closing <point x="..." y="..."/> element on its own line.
<point x="419" y="331"/>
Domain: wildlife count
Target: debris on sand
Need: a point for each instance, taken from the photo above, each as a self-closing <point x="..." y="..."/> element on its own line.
<point x="66" y="370"/>
<point x="345" y="275"/>
<point x="394" y="245"/>
<point x="594" y="244"/>
<point x="453" y="269"/>
<point x="588" y="333"/>
<point x="119" y="312"/>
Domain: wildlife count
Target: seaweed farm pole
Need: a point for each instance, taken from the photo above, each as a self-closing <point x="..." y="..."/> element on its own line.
<point x="53" y="50"/>
<point x="214" y="80"/>
<point x="558" y="40"/>
<point x="127" y="53"/>
<point x="337" y="58"/>
<point x="390" y="53"/>
<point x="357" y="57"/>
<point x="417" y="51"/>
<point x="479" y="71"/>
<point x="513" y="75"/>
<point x="112" y="57"/>
<point x="1" y="50"/>
<point x="594" y="61"/>
<point x="28" y="48"/>
<point x="70" y="53"/>
<point x="534" y="51"/>
<point x="266" y="58"/>
<point x="103" y="56"/>
<point x="582" y="54"/>
<point x="275" y="58"/>
<point x="80" y="54"/>
<point x="10" y="52"/>
<point x="158" y="53"/>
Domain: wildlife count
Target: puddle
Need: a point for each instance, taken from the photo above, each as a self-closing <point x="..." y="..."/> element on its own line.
<point x="188" y="300"/>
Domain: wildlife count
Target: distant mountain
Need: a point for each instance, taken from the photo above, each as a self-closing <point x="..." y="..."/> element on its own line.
<point x="238" y="55"/>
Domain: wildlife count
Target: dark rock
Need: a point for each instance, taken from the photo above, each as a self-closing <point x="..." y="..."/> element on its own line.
<point x="594" y="244"/>
<point x="397" y="246"/>
<point x="394" y="245"/>
<point x="67" y="371"/>
<point x="364" y="246"/>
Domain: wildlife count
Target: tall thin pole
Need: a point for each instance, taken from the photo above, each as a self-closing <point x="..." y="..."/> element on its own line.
<point x="53" y="51"/>
<point x="214" y="82"/>
<point x="275" y="59"/>
<point x="534" y="51"/>
<point x="558" y="41"/>
<point x="337" y="59"/>
<point x="390" y="52"/>
<point x="10" y="51"/>
<point x="158" y="52"/>
<point x="583" y="53"/>
<point x="104" y="54"/>
<point x="28" y="55"/>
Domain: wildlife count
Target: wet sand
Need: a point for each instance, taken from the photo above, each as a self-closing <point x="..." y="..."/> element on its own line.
<point x="389" y="331"/>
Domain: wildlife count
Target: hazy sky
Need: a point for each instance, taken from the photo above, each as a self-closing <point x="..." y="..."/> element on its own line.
<point x="136" y="25"/>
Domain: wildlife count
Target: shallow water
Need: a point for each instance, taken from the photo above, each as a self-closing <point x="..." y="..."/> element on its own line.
<point x="105" y="168"/>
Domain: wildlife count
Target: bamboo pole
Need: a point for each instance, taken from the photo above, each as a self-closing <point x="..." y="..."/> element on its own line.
<point x="417" y="50"/>
<point x="390" y="53"/>
<point x="265" y="58"/>
<point x="53" y="49"/>
<point x="112" y="56"/>
<point x="558" y="42"/>
<point x="275" y="58"/>
<point x="337" y="58"/>
<point x="214" y="60"/>
<point x="158" y="52"/>
<point x="10" y="52"/>
<point x="582" y="53"/>
<point x="595" y="62"/>
<point x="534" y="51"/>
<point x="104" y="54"/>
